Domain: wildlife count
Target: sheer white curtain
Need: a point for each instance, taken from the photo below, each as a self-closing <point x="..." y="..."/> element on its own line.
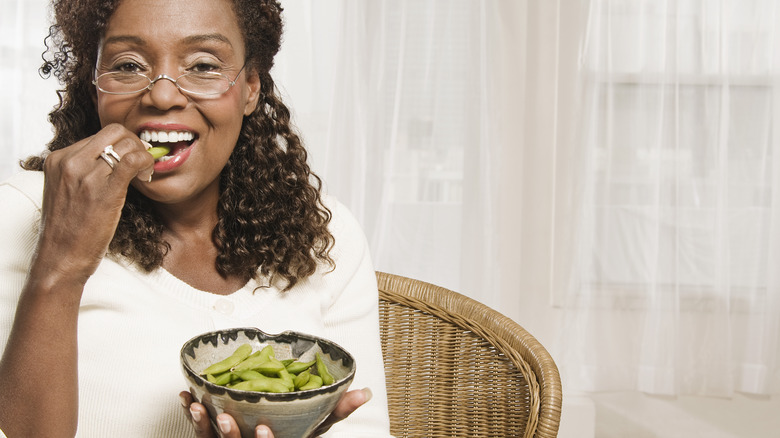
<point x="25" y="97"/>
<point x="675" y="286"/>
<point x="405" y="128"/>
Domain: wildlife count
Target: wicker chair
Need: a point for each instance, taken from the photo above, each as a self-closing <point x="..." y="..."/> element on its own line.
<point x="456" y="368"/>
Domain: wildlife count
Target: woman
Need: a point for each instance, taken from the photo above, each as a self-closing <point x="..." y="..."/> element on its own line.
<point x="112" y="260"/>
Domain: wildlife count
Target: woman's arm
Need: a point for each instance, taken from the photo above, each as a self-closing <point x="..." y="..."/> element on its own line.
<point x="82" y="202"/>
<point x="43" y="336"/>
<point x="38" y="372"/>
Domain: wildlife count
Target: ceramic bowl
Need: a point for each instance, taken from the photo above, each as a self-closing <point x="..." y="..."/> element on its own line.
<point x="289" y="415"/>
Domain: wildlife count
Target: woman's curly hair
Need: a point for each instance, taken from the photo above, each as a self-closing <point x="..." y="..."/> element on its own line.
<point x="272" y="221"/>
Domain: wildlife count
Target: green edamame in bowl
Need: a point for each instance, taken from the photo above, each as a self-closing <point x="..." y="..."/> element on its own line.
<point x="210" y="364"/>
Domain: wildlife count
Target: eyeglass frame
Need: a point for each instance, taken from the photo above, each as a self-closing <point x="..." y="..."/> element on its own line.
<point x="170" y="78"/>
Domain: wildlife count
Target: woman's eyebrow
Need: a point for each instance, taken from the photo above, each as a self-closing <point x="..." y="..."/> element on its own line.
<point x="194" y="39"/>
<point x="125" y="39"/>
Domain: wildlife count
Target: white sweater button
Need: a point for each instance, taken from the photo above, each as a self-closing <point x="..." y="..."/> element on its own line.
<point x="224" y="306"/>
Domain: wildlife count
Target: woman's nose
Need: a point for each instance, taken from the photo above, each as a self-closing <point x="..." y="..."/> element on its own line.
<point x="163" y="94"/>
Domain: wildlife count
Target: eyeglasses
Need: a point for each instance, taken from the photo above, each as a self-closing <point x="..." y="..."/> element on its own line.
<point x="197" y="83"/>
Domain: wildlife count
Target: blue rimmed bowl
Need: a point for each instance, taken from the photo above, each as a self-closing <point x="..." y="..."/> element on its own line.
<point x="289" y="415"/>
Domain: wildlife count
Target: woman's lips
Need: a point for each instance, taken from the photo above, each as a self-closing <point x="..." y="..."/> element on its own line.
<point x="178" y="155"/>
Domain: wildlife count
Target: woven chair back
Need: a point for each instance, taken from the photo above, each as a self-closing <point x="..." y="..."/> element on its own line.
<point x="456" y="368"/>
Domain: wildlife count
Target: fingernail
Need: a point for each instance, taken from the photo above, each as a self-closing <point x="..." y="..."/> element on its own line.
<point x="367" y="394"/>
<point x="195" y="415"/>
<point x="183" y="401"/>
<point x="261" y="433"/>
<point x="224" y="425"/>
<point x="147" y="179"/>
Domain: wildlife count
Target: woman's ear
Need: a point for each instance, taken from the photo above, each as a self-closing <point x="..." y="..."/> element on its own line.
<point x="254" y="89"/>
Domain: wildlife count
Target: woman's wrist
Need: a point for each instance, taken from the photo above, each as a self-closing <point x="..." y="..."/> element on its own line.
<point x="56" y="282"/>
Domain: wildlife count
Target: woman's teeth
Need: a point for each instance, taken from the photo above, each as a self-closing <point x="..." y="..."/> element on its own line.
<point x="166" y="136"/>
<point x="161" y="139"/>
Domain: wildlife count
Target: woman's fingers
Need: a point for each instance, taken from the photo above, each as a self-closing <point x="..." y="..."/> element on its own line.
<point x="113" y="152"/>
<point x="350" y="401"/>
<point x="103" y="164"/>
<point x="197" y="415"/>
<point x="130" y="161"/>
<point x="227" y="426"/>
<point x="124" y="153"/>
<point x="263" y="431"/>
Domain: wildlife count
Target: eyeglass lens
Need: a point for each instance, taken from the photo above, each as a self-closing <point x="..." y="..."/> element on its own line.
<point x="196" y="83"/>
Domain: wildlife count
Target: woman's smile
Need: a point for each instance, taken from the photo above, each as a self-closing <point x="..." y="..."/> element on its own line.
<point x="179" y="140"/>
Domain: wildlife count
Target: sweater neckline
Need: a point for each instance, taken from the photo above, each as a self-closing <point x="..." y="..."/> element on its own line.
<point x="175" y="283"/>
<point x="182" y="291"/>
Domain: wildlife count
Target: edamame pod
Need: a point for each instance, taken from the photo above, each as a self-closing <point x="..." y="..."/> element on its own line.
<point x="159" y="151"/>
<point x="301" y="379"/>
<point x="287" y="378"/>
<point x="297" y="367"/>
<point x="267" y="352"/>
<point x="264" y="384"/>
<point x="322" y="370"/>
<point x="271" y="366"/>
<point x="252" y="362"/>
<point x="314" y="382"/>
<point x="250" y="375"/>
<point x="240" y="353"/>
<point x="224" y="378"/>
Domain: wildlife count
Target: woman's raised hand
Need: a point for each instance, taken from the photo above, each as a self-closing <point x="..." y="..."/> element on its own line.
<point x="85" y="189"/>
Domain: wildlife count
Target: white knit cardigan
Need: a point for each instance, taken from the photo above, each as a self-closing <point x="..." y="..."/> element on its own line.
<point x="132" y="324"/>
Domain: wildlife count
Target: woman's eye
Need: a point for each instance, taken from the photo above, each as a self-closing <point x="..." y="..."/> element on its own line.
<point x="203" y="67"/>
<point x="129" y="67"/>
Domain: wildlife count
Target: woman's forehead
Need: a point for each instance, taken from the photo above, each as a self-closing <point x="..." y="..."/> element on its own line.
<point x="175" y="21"/>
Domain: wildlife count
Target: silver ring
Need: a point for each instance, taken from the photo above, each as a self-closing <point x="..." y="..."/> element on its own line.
<point x="110" y="151"/>
<point x="107" y="159"/>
